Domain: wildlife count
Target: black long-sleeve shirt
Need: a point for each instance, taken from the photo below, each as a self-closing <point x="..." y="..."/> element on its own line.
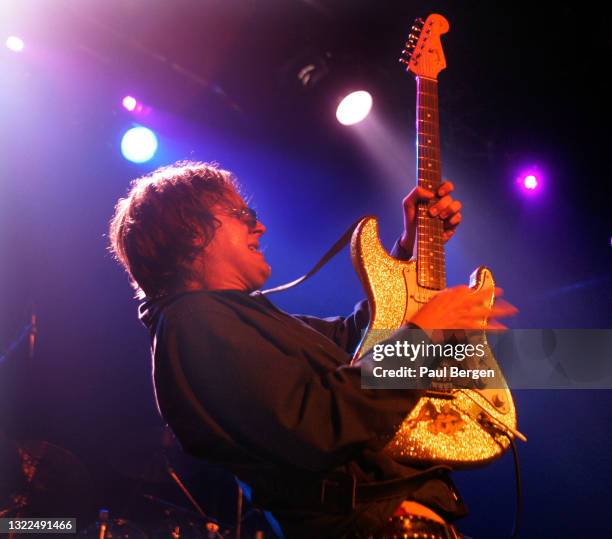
<point x="273" y="398"/>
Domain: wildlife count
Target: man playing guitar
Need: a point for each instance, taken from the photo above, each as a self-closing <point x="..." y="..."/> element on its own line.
<point x="271" y="396"/>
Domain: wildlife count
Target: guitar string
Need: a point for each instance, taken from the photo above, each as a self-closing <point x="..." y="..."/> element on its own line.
<point x="429" y="227"/>
<point x="430" y="156"/>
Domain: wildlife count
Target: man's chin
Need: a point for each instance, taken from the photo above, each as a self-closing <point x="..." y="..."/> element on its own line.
<point x="267" y="271"/>
<point x="263" y="275"/>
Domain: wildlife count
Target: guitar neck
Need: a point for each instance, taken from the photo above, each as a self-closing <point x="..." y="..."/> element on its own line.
<point x="431" y="268"/>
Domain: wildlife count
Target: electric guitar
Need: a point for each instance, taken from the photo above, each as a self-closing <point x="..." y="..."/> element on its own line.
<point x="458" y="427"/>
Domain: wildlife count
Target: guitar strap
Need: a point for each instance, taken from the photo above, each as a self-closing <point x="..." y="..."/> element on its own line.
<point x="331" y="252"/>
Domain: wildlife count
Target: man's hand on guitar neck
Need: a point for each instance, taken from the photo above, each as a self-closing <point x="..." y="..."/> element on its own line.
<point x="447" y="208"/>
<point x="459" y="307"/>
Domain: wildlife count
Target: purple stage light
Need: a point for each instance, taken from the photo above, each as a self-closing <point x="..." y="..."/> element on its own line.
<point x="530" y="182"/>
<point x="15" y="43"/>
<point x="129" y="103"/>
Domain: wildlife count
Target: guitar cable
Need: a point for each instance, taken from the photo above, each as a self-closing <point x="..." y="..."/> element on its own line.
<point x="518" y="510"/>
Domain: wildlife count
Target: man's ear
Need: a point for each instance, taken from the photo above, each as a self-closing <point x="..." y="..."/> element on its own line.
<point x="199" y="241"/>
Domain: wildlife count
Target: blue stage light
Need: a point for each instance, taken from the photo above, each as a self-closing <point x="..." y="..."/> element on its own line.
<point x="139" y="144"/>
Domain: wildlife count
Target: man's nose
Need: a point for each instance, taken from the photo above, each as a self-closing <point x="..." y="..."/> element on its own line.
<point x="259" y="228"/>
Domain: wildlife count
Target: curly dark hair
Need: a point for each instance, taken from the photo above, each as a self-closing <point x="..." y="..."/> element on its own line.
<point x="165" y="221"/>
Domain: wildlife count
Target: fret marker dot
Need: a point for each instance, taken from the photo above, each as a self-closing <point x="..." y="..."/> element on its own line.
<point x="428" y="141"/>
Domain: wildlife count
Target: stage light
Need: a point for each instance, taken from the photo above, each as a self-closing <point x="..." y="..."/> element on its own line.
<point x="530" y="182"/>
<point x="138" y="144"/>
<point x="354" y="108"/>
<point x="15" y="43"/>
<point x="129" y="103"/>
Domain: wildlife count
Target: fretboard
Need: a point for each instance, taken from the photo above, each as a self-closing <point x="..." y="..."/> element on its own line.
<point x="431" y="267"/>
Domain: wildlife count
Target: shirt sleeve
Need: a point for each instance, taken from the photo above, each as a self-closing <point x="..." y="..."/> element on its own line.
<point x="347" y="331"/>
<point x="274" y="404"/>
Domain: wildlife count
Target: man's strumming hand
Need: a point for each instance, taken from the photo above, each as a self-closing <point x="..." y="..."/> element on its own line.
<point x="460" y="307"/>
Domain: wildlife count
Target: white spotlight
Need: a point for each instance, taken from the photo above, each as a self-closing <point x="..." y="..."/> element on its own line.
<point x="15" y="43"/>
<point x="354" y="108"/>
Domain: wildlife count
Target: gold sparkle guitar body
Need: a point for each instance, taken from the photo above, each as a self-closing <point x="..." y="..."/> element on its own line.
<point x="457" y="427"/>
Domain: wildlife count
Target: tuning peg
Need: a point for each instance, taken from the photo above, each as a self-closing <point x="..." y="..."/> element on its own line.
<point x="404" y="61"/>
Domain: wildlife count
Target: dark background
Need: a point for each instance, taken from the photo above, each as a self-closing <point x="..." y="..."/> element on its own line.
<point x="525" y="87"/>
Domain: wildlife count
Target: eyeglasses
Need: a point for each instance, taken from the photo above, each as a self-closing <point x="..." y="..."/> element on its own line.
<point x="247" y="215"/>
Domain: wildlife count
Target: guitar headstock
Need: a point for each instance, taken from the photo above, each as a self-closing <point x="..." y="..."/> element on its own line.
<point x="423" y="54"/>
